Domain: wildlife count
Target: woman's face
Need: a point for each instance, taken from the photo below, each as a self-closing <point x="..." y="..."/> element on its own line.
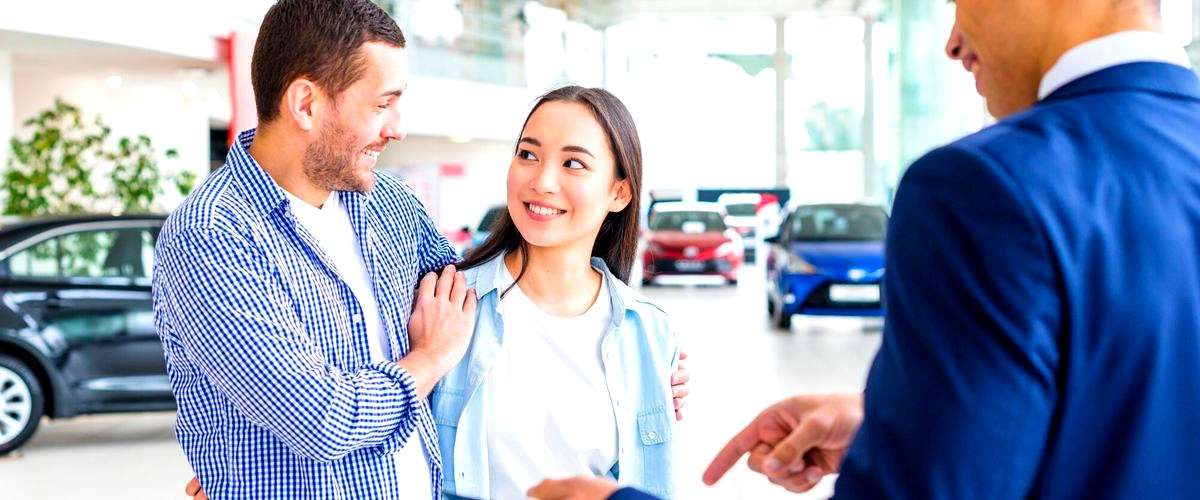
<point x="563" y="179"/>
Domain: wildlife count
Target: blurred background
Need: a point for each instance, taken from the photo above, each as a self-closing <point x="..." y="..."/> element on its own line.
<point x="774" y="133"/>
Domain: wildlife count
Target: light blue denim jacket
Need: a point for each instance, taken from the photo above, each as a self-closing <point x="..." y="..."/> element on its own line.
<point x="639" y="354"/>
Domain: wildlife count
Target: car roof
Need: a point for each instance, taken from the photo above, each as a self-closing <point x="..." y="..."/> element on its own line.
<point x="16" y="229"/>
<point x="688" y="206"/>
<point x="740" y="198"/>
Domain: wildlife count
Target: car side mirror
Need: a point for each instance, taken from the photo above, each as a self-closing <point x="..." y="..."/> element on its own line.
<point x="774" y="240"/>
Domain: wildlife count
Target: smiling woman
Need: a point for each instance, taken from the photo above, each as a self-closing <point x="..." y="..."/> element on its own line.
<point x="599" y="354"/>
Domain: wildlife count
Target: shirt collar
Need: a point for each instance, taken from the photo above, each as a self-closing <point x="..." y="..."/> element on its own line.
<point x="1108" y="51"/>
<point x="260" y="188"/>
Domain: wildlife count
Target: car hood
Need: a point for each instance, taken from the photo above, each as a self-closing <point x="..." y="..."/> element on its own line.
<point x="680" y="239"/>
<point x="854" y="260"/>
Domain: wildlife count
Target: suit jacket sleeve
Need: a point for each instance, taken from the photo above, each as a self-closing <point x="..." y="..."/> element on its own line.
<point x="961" y="396"/>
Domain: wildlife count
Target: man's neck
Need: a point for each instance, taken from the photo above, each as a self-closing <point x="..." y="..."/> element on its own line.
<point x="1094" y="19"/>
<point x="283" y="159"/>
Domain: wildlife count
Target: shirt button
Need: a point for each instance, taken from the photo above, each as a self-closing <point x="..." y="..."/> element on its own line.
<point x="462" y="474"/>
<point x="357" y="318"/>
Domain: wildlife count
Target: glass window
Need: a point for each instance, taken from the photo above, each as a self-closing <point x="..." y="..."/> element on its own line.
<point x="742" y="209"/>
<point x="114" y="253"/>
<point x="38" y="261"/>
<point x="674" y="221"/>
<point x="838" y="223"/>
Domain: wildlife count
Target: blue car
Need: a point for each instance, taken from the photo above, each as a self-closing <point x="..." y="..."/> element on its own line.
<point x="827" y="260"/>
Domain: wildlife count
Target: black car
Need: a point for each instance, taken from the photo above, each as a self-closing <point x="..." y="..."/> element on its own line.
<point x="77" y="329"/>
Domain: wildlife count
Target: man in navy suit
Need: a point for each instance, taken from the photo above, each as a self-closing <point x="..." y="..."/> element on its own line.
<point x="1043" y="288"/>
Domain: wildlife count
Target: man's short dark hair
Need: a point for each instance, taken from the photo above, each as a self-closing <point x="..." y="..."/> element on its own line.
<point x="320" y="40"/>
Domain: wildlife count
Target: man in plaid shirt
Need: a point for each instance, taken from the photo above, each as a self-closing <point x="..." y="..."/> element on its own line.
<point x="283" y="286"/>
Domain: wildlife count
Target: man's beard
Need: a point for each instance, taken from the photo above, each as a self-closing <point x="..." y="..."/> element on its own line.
<point x="329" y="163"/>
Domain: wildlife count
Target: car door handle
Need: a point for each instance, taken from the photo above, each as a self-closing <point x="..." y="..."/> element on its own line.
<point x="52" y="301"/>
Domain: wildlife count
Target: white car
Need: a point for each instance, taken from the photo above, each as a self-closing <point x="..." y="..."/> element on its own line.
<point x="751" y="218"/>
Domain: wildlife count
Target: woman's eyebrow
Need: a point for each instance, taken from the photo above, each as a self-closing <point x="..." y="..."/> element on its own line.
<point x="578" y="149"/>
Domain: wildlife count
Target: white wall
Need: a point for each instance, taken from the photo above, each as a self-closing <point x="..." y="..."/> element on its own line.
<point x="453" y="201"/>
<point x="6" y="106"/>
<point x="463" y="109"/>
<point x="171" y="107"/>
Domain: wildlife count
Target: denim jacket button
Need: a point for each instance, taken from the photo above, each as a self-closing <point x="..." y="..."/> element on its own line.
<point x="652" y="435"/>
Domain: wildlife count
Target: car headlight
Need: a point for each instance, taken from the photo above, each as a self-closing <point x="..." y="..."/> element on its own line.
<point x="797" y="265"/>
<point x="726" y="248"/>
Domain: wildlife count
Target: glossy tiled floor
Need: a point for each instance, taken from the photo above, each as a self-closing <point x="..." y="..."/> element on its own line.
<point x="739" y="366"/>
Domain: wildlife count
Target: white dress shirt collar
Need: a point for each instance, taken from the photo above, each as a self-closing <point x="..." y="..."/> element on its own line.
<point x="1108" y="51"/>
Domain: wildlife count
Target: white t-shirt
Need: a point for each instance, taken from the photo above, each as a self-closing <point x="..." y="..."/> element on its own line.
<point x="553" y="416"/>
<point x="330" y="225"/>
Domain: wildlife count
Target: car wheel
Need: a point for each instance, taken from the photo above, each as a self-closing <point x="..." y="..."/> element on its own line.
<point x="770" y="306"/>
<point x="732" y="282"/>
<point x="647" y="281"/>
<point x="780" y="319"/>
<point x="21" y="404"/>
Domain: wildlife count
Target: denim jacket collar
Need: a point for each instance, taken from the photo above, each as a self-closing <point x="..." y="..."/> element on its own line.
<point x="623" y="298"/>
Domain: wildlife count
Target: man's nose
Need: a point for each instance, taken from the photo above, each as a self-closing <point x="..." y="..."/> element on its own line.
<point x="393" y="129"/>
<point x="954" y="45"/>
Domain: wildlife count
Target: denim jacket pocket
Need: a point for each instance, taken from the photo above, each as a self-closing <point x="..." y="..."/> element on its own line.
<point x="654" y="427"/>
<point x="657" y="465"/>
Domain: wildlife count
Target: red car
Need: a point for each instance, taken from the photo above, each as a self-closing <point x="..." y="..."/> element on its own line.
<point x="691" y="239"/>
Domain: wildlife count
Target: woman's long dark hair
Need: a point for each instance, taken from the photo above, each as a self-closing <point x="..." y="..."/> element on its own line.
<point x="618" y="238"/>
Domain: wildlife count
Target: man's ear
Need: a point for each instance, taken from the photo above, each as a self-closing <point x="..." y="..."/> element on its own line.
<point x="624" y="195"/>
<point x="298" y="102"/>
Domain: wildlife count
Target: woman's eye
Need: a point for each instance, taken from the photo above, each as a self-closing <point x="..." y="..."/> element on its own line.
<point x="574" y="165"/>
<point x="525" y="154"/>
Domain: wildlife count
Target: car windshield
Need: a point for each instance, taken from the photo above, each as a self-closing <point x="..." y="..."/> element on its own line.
<point x="742" y="209"/>
<point x="839" y="223"/>
<point x="675" y="221"/>
<point x="489" y="218"/>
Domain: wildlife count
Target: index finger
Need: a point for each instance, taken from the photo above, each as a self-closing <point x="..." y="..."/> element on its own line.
<point x="742" y="443"/>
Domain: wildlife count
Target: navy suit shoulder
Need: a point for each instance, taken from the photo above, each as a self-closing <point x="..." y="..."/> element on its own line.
<point x="1042" y="336"/>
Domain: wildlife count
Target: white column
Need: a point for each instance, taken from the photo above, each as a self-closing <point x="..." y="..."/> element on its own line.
<point x="7" y="114"/>
<point x="872" y="176"/>
<point x="781" y="75"/>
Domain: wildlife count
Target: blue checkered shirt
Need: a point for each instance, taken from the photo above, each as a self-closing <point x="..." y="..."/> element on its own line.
<point x="266" y="345"/>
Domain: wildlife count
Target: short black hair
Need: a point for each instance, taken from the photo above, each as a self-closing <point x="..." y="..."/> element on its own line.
<point x="320" y="40"/>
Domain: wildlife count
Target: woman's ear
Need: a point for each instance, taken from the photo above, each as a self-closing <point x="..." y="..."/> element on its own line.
<point x="298" y="102"/>
<point x="622" y="197"/>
